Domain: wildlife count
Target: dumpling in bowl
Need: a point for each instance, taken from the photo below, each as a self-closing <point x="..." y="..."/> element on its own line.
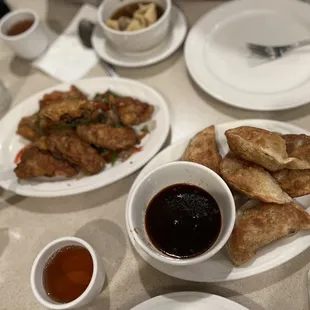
<point x="146" y="12"/>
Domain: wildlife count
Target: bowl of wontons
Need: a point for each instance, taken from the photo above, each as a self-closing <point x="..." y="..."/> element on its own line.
<point x="144" y="29"/>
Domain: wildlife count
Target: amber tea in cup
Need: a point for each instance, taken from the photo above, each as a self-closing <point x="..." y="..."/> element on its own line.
<point x="68" y="273"/>
<point x="20" y="27"/>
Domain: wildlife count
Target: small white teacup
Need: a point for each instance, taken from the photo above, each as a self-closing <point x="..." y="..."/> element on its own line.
<point x="139" y="40"/>
<point x="36" y="279"/>
<point x="29" y="44"/>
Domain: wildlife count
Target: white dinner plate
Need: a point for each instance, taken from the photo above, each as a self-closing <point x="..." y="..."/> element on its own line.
<point x="11" y="143"/>
<point x="219" y="267"/>
<point x="188" y="301"/>
<point x="219" y="62"/>
<point x="172" y="42"/>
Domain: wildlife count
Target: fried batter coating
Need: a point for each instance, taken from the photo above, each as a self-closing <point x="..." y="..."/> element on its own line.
<point x="27" y="127"/>
<point x="67" y="110"/>
<point x="57" y="96"/>
<point x="107" y="137"/>
<point x="36" y="163"/>
<point x="73" y="149"/>
<point x="132" y="111"/>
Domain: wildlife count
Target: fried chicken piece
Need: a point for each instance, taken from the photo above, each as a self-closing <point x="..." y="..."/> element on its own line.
<point x="132" y="111"/>
<point x="70" y="147"/>
<point x="56" y="96"/>
<point x="202" y="149"/>
<point x="27" y="127"/>
<point x="252" y="180"/>
<point x="107" y="137"/>
<point x="36" y="163"/>
<point x="259" y="224"/>
<point x="67" y="111"/>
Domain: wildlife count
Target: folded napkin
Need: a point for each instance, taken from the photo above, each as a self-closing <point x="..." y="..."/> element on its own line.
<point x="67" y="59"/>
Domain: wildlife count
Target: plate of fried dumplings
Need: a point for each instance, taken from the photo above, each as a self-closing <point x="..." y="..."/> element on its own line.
<point x="266" y="164"/>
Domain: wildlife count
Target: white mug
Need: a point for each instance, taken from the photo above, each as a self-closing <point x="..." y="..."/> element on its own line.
<point x="92" y="291"/>
<point x="29" y="44"/>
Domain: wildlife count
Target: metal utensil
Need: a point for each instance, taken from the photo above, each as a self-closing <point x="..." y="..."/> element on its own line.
<point x="85" y="30"/>
<point x="276" y="51"/>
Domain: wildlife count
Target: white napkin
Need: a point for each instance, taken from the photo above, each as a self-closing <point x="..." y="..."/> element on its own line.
<point x="67" y="59"/>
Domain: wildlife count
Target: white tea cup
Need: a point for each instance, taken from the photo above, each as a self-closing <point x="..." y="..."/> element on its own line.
<point x="36" y="278"/>
<point x="29" y="44"/>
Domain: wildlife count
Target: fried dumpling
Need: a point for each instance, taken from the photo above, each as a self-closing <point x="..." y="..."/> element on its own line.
<point x="298" y="148"/>
<point x="203" y="149"/>
<point x="260" y="146"/>
<point x="252" y="180"/>
<point x="294" y="182"/>
<point x="259" y="224"/>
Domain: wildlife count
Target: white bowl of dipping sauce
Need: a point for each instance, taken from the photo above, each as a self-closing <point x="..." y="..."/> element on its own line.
<point x="81" y="275"/>
<point x="195" y="218"/>
<point x="138" y="40"/>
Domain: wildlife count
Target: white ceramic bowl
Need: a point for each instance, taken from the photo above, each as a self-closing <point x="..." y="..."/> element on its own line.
<point x="95" y="285"/>
<point x="134" y="41"/>
<point x="175" y="173"/>
<point x="29" y="44"/>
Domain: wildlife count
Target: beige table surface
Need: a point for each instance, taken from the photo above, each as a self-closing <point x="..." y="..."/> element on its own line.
<point x="27" y="224"/>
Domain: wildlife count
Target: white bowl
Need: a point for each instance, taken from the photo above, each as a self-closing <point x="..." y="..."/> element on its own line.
<point x="95" y="285"/>
<point x="176" y="173"/>
<point x="134" y="41"/>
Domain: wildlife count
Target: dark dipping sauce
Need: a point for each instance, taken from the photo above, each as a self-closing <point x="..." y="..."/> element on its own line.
<point x="68" y="273"/>
<point x="20" y="27"/>
<point x="183" y="221"/>
<point x="128" y="10"/>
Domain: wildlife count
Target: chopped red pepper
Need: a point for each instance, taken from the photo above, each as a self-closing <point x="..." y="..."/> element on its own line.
<point x="100" y="105"/>
<point x="20" y="153"/>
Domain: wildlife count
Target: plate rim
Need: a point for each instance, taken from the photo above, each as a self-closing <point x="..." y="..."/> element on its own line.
<point x="139" y="64"/>
<point x="68" y="191"/>
<point x="203" y="295"/>
<point x="231" y="276"/>
<point x="236" y="99"/>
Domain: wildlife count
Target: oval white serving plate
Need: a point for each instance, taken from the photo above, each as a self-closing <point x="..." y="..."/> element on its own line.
<point x="11" y="143"/>
<point x="188" y="301"/>
<point x="219" y="268"/>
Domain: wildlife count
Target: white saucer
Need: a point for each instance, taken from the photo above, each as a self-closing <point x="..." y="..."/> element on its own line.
<point x="219" y="62"/>
<point x="164" y="50"/>
<point x="188" y="301"/>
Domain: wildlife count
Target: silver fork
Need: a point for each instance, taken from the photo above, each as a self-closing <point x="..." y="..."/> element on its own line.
<point x="276" y="51"/>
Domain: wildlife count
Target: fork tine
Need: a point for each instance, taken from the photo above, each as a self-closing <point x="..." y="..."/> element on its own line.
<point x="262" y="51"/>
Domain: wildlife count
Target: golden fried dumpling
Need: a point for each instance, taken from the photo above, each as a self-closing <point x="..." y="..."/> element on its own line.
<point x="252" y="180"/>
<point x="259" y="224"/>
<point x="203" y="149"/>
<point x="298" y="148"/>
<point x="294" y="182"/>
<point x="259" y="146"/>
<point x="148" y="12"/>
